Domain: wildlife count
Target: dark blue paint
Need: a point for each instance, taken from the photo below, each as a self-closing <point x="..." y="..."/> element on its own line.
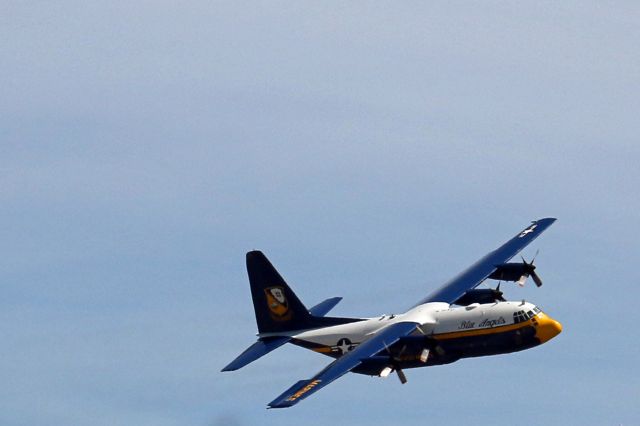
<point x="472" y="277"/>
<point x="323" y="308"/>
<point x="255" y="351"/>
<point x="387" y="337"/>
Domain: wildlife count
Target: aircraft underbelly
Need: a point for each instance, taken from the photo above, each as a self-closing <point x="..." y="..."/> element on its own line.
<point x="442" y="350"/>
<point x="445" y="351"/>
<point x="500" y="342"/>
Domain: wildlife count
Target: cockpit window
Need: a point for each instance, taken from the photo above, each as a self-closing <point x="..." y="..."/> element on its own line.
<point x="524" y="316"/>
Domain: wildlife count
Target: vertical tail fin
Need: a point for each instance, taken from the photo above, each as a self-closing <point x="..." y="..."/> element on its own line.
<point x="277" y="307"/>
<point x="278" y="310"/>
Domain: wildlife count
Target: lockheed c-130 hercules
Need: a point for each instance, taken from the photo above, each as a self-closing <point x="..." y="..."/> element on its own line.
<point x="453" y="322"/>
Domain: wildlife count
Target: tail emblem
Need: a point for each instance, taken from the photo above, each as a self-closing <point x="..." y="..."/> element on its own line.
<point x="277" y="302"/>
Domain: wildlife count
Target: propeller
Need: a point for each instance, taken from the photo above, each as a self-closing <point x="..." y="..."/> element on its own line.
<point x="395" y="365"/>
<point x="530" y="270"/>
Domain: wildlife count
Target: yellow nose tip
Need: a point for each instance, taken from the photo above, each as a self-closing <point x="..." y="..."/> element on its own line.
<point x="548" y="328"/>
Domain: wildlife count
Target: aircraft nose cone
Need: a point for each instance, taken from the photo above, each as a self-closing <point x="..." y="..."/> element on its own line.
<point x="548" y="328"/>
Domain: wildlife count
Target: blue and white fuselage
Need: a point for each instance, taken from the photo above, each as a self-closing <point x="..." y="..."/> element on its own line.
<point x="455" y="321"/>
<point x="447" y="332"/>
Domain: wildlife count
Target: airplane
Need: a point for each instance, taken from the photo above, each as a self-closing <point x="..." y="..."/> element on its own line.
<point x="453" y="322"/>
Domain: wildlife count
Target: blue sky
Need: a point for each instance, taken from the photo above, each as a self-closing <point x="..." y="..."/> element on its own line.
<point x="370" y="150"/>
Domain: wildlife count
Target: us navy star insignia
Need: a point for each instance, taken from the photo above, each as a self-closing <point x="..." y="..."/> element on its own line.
<point x="528" y="230"/>
<point x="344" y="345"/>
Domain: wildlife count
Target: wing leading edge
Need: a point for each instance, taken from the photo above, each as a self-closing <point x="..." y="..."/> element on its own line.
<point x="382" y="339"/>
<point x="479" y="271"/>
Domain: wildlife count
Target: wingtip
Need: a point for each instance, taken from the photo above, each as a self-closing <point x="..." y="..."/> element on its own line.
<point x="228" y="368"/>
<point x="547" y="219"/>
<point x="272" y="405"/>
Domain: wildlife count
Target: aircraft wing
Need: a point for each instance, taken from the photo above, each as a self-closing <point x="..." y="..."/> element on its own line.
<point x="479" y="271"/>
<point x="378" y="342"/>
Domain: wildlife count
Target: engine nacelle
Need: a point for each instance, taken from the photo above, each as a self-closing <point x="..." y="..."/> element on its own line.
<point x="511" y="271"/>
<point x="481" y="295"/>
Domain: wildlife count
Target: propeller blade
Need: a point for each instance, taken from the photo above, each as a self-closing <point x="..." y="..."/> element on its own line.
<point x="404" y="348"/>
<point x="498" y="295"/>
<point x="536" y="279"/>
<point x="401" y="376"/>
<point x="535" y="255"/>
<point x="395" y="361"/>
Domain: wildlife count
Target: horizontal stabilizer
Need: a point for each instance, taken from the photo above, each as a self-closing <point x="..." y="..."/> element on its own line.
<point x="255" y="351"/>
<point x="323" y="308"/>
